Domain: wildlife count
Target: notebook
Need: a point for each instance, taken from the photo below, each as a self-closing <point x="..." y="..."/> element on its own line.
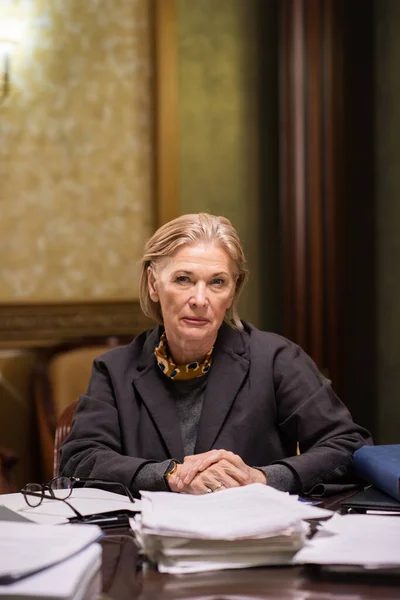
<point x="371" y="499"/>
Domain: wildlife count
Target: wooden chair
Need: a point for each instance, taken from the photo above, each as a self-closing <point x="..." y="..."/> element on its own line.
<point x="60" y="378"/>
<point x="7" y="460"/>
<point x="63" y="428"/>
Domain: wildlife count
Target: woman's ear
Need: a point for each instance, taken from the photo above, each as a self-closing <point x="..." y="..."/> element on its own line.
<point x="151" y="282"/>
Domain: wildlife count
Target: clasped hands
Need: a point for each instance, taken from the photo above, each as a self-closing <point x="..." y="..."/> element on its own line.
<point x="213" y="471"/>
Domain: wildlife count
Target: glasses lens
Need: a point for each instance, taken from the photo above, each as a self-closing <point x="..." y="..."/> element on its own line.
<point x="61" y="487"/>
<point x="33" y="494"/>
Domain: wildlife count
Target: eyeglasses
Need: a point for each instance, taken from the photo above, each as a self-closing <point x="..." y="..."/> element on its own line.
<point x="60" y="488"/>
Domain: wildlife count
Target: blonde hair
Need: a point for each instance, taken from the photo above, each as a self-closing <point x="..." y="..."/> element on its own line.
<point x="187" y="230"/>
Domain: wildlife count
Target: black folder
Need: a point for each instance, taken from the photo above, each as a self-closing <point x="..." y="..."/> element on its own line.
<point x="371" y="499"/>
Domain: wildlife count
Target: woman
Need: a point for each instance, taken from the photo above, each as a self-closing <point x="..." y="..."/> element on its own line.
<point x="204" y="401"/>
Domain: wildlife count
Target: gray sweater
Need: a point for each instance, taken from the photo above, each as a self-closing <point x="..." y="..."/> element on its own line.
<point x="189" y="396"/>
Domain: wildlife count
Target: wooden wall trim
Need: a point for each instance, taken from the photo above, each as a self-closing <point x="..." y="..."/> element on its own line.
<point x="56" y="322"/>
<point x="316" y="121"/>
<point x="166" y="105"/>
<point x="333" y="166"/>
<point x="311" y="159"/>
<point x="297" y="103"/>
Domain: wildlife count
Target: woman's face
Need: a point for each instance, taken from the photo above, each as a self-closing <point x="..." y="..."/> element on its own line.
<point x="195" y="287"/>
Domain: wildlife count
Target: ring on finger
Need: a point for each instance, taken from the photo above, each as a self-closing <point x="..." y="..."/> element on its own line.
<point x="209" y="491"/>
<point x="219" y="486"/>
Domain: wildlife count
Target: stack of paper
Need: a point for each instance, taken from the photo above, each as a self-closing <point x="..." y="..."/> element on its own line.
<point x="75" y="578"/>
<point x="239" y="527"/>
<point x="355" y="542"/>
<point x="47" y="562"/>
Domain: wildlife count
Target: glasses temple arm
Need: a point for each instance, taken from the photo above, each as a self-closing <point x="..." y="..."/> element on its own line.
<point x="42" y="496"/>
<point x="94" y="479"/>
<point x="78" y="514"/>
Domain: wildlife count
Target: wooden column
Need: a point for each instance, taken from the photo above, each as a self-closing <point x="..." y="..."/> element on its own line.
<point x="166" y="110"/>
<point x="311" y="128"/>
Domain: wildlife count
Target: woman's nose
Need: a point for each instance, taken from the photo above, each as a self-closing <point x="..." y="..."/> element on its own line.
<point x="199" y="297"/>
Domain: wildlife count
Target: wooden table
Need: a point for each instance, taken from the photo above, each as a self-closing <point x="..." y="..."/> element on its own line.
<point x="126" y="577"/>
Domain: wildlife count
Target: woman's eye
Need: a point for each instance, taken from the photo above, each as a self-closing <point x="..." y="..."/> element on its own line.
<point x="218" y="281"/>
<point x="182" y="279"/>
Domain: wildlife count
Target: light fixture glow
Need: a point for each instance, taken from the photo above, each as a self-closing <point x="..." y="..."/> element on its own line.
<point x="11" y="32"/>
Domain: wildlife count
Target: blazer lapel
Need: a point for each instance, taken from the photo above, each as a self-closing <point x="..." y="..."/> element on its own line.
<point x="154" y="392"/>
<point x="229" y="368"/>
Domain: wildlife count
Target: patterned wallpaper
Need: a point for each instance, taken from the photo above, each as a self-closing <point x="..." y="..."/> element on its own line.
<point x="220" y="134"/>
<point x="76" y="150"/>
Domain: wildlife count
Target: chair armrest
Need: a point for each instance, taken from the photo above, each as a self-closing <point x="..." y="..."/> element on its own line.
<point x="8" y="459"/>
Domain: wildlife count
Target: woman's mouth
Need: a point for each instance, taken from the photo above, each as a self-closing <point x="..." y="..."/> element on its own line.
<point x="195" y="321"/>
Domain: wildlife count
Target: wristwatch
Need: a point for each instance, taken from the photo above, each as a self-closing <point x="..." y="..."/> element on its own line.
<point x="172" y="467"/>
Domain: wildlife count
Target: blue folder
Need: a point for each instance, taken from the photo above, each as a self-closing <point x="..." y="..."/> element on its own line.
<point x="380" y="465"/>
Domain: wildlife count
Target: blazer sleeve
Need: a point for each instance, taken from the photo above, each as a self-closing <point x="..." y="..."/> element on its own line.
<point x="94" y="446"/>
<point x="310" y="412"/>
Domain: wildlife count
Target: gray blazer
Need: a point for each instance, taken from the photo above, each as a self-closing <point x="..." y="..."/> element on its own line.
<point x="263" y="395"/>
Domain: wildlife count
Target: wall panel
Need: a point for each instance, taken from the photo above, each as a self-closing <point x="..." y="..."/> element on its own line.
<point x="76" y="151"/>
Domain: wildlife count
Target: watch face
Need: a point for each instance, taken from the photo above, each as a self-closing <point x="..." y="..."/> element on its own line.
<point x="171" y="468"/>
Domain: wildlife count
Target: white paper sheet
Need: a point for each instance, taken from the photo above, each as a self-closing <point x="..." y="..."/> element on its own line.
<point x="248" y="511"/>
<point x="364" y="540"/>
<point x="87" y="501"/>
<point x="27" y="547"/>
